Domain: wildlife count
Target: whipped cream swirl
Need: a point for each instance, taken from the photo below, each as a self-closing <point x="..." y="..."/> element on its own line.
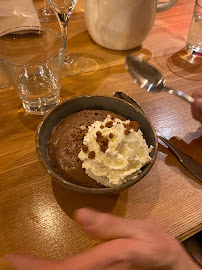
<point x="114" y="151"/>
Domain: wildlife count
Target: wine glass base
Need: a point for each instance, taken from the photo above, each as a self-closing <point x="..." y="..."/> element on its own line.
<point x="46" y="15"/>
<point x="77" y="65"/>
<point x="3" y="86"/>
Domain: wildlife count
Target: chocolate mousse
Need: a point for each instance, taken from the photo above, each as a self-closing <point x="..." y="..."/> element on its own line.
<point x="66" y="142"/>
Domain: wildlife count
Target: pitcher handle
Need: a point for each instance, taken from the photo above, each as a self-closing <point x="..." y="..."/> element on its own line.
<point x="165" y="6"/>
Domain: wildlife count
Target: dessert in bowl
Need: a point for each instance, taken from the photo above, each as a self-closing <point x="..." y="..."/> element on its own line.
<point x="96" y="144"/>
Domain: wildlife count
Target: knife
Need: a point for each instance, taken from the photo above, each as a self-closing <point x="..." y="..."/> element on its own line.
<point x="194" y="167"/>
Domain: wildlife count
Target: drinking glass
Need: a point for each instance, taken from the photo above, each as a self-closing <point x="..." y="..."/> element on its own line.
<point x="33" y="62"/>
<point x="46" y="14"/>
<point x="194" y="40"/>
<point x="73" y="63"/>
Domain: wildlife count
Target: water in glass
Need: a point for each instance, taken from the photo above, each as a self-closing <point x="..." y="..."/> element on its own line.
<point x="39" y="92"/>
<point x="33" y="62"/>
<point x="194" y="40"/>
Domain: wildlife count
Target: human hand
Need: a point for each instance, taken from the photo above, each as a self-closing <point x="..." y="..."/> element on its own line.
<point x="132" y="244"/>
<point x="196" y="106"/>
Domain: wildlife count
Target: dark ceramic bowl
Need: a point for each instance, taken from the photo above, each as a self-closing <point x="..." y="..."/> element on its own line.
<point x="77" y="104"/>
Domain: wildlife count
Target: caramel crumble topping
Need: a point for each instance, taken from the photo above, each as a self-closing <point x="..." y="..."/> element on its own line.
<point x="80" y="135"/>
<point x="101" y="126"/>
<point x="126" y="131"/>
<point x="99" y="134"/>
<point x="134" y="125"/>
<point x="103" y="148"/>
<point x="85" y="148"/>
<point x="113" y="116"/>
<point x="91" y="155"/>
<point x="109" y="124"/>
<point x="131" y="125"/>
<point x="111" y="135"/>
<point x="102" y="141"/>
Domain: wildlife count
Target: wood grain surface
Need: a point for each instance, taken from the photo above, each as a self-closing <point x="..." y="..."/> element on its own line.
<point x="36" y="214"/>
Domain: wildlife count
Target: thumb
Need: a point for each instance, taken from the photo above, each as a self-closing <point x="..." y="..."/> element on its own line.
<point x="107" y="226"/>
<point x="197" y="94"/>
<point x="27" y="262"/>
<point x="196" y="108"/>
<point x="198" y="104"/>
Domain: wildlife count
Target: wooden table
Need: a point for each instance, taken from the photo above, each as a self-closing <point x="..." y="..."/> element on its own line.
<point x="36" y="212"/>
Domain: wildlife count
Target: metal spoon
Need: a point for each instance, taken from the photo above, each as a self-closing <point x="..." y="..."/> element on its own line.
<point x="150" y="78"/>
<point x="188" y="162"/>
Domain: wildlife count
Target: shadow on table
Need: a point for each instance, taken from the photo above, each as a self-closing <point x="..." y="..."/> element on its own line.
<point x="88" y="82"/>
<point x="70" y="200"/>
<point x="192" y="148"/>
<point x="30" y="121"/>
<point x="89" y="45"/>
<point x="185" y="65"/>
<point x="101" y="63"/>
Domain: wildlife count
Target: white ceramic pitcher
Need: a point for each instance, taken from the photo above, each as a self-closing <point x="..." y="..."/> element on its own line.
<point x="122" y="24"/>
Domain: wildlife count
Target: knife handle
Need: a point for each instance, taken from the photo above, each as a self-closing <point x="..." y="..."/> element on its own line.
<point x="193" y="166"/>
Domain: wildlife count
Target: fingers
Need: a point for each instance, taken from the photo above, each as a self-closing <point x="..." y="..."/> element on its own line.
<point x="115" y="253"/>
<point x="197" y="94"/>
<point x="104" y="256"/>
<point x="196" y="109"/>
<point x="106" y="226"/>
<point x="26" y="262"/>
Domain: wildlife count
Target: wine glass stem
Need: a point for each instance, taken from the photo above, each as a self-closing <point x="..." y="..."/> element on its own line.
<point x="64" y="21"/>
<point x="46" y="6"/>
